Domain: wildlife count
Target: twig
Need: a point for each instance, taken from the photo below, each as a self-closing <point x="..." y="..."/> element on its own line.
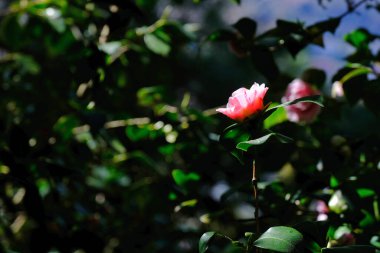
<point x="256" y="199"/>
<point x="352" y="7"/>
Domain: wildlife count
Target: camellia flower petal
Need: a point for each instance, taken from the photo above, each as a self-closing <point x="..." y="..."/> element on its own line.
<point x="244" y="103"/>
<point x="304" y="112"/>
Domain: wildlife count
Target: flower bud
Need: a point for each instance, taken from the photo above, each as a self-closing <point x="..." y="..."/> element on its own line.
<point x="337" y="90"/>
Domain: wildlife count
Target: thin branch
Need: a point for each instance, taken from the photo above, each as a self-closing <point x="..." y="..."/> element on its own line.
<point x="256" y="199"/>
<point x="351" y="7"/>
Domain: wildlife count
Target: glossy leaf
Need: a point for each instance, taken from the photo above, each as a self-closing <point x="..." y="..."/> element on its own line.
<point x="280" y="239"/>
<point x="245" y="145"/>
<point x="156" y="44"/>
<point x="277" y="117"/>
<point x="317" y="99"/>
<point x="204" y="241"/>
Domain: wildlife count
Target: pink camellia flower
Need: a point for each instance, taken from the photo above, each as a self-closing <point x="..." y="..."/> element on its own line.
<point x="244" y="103"/>
<point x="304" y="112"/>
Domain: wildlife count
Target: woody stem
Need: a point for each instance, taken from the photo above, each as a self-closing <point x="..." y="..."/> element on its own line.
<point x="256" y="198"/>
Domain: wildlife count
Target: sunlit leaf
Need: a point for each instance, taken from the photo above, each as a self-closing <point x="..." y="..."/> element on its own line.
<point x="375" y="241"/>
<point x="277" y="117"/>
<point x="189" y="203"/>
<point x="316" y="99"/>
<point x="204" y="241"/>
<point x="355" y="72"/>
<point x="365" y="192"/>
<point x="280" y="239"/>
<point x="245" y="145"/>
<point x="181" y="178"/>
<point x="156" y="44"/>
<point x="110" y="47"/>
<point x="334" y="182"/>
<point x="359" y="38"/>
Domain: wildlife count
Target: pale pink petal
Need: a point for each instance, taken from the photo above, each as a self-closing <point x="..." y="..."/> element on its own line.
<point x="243" y="102"/>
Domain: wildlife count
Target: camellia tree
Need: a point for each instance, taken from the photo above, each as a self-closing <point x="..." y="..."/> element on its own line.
<point x="111" y="140"/>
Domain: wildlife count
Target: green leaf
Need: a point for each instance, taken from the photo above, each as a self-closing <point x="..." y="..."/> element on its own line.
<point x="156" y="44"/>
<point x="276" y="118"/>
<point x="150" y="96"/>
<point x="189" y="203"/>
<point x="221" y="35"/>
<point x="329" y="25"/>
<point x="233" y="126"/>
<point x="246" y="27"/>
<point x="138" y="133"/>
<point x="314" y="231"/>
<point x="350" y="249"/>
<point x="65" y="125"/>
<point x="58" y="24"/>
<point x="245" y="145"/>
<point x="289" y="27"/>
<point x="317" y="99"/>
<point x="375" y="241"/>
<point x="368" y="219"/>
<point x="181" y="178"/>
<point x="317" y="30"/>
<point x="334" y="182"/>
<point x="365" y="192"/>
<point x="359" y="38"/>
<point x="280" y="239"/>
<point x="110" y="47"/>
<point x="204" y="241"/>
<point x="355" y="72"/>
<point x="283" y="138"/>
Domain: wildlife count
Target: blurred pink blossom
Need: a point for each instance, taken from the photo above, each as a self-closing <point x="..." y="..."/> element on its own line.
<point x="303" y="112"/>
<point x="346" y="239"/>
<point x="321" y="208"/>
